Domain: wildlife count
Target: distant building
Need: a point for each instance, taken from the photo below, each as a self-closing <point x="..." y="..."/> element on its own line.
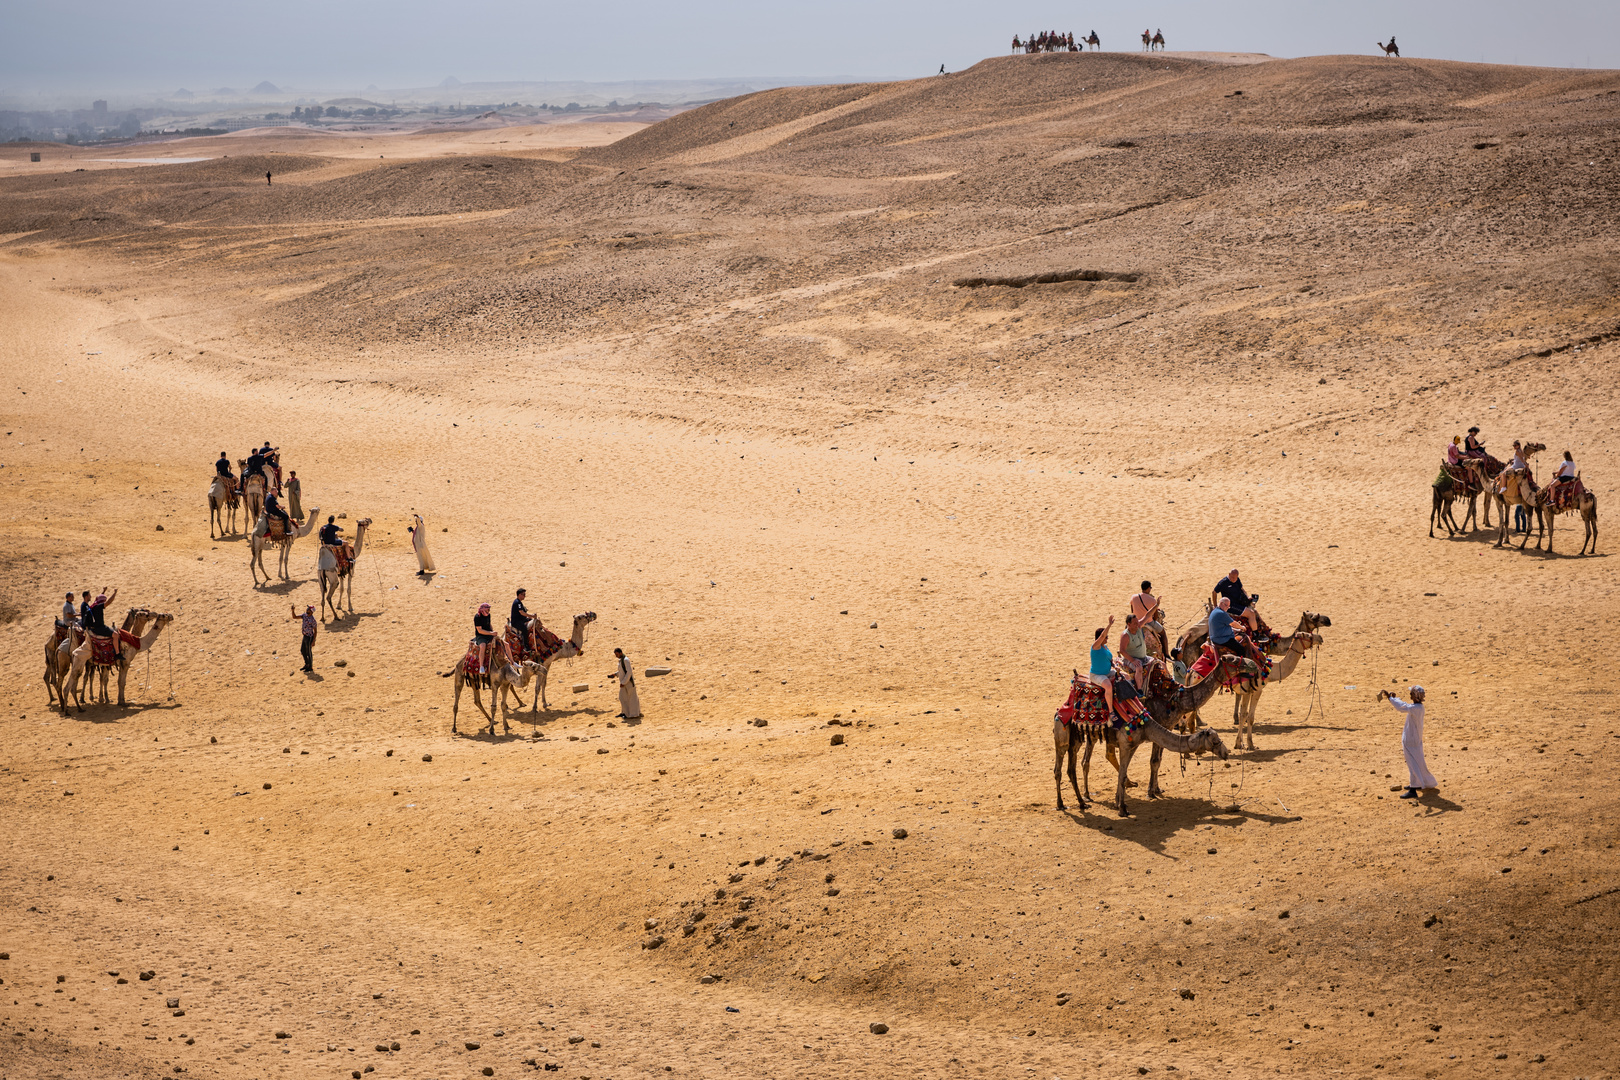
<point x="99" y="108"/>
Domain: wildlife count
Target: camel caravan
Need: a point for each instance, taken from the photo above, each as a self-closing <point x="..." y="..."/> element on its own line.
<point x="82" y="647"/>
<point x="1052" y="41"/>
<point x="524" y="651"/>
<point x="1468" y="472"/>
<point x="1149" y="689"/>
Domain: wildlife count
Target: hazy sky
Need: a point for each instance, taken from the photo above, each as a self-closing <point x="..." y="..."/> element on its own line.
<point x="101" y="46"/>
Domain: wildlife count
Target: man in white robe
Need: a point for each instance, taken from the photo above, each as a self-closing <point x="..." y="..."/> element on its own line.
<point x="629" y="701"/>
<point x="424" y="560"/>
<point x="1419" y="778"/>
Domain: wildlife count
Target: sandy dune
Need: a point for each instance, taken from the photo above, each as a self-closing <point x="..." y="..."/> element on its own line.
<point x="715" y="380"/>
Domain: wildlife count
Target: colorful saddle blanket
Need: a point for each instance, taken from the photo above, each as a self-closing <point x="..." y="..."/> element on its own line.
<point x="103" y="650"/>
<point x="543" y="644"/>
<point x="343" y="554"/>
<point x="277" y="528"/>
<point x="1457" y="478"/>
<point x="1564" y="495"/>
<point x="474" y="666"/>
<point x="1087" y="704"/>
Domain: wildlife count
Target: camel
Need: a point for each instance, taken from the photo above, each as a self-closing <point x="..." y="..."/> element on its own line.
<point x="498" y="661"/>
<point x="1391" y="49"/>
<point x="334" y="584"/>
<point x="1515" y="488"/>
<point x="83" y="667"/>
<point x="1192" y="639"/>
<point x="1247" y="702"/>
<point x="1094" y="41"/>
<point x="574" y="646"/>
<point x="508" y="677"/>
<point x="1147" y="41"/>
<point x="59" y="661"/>
<point x="1162" y="703"/>
<point x="1447" y="491"/>
<point x="222" y="498"/>
<point x="252" y="493"/>
<point x="1586" y="507"/>
<point x="259" y="539"/>
<point x="1158" y="40"/>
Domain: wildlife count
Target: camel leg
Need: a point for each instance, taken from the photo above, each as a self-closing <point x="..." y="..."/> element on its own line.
<point x="1548" y="515"/>
<point x="1085" y="768"/>
<point x="1074" y="750"/>
<point x="123" y="675"/>
<point x="1125" y="749"/>
<point x="1060" y="746"/>
<point x="455" y="707"/>
<point x="1155" y="759"/>
<point x="540" y="689"/>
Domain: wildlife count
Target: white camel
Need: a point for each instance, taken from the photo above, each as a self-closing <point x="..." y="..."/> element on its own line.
<point x="259" y="539"/>
<point x="1247" y="702"/>
<point x="222" y="499"/>
<point x="252" y="488"/>
<point x="508" y="677"/>
<point x="84" y="668"/>
<point x="337" y="586"/>
<point x="59" y="661"/>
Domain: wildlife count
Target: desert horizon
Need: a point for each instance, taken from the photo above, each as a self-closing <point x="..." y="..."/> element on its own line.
<point x="858" y="407"/>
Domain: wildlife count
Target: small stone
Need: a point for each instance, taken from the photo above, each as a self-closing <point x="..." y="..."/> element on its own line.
<point x="900" y="834"/>
<point x="1284" y="913"/>
<point x="581" y="687"/>
<point x="653" y="942"/>
<point x="596" y="1046"/>
<point x="830" y="878"/>
<point x="1186" y="920"/>
<point x="472" y="1045"/>
<point x="393" y="1046"/>
<point x="148" y="976"/>
<point x="1186" y="995"/>
<point x="382" y="1048"/>
<point x="283" y="1035"/>
<point x="832" y="892"/>
<point x="650" y="924"/>
<point x="267" y="787"/>
<point x="63" y="978"/>
<point x="427" y="757"/>
<point x="288" y="750"/>
<point x="355" y="1074"/>
<point x="1539" y="1058"/>
<point x="735" y="878"/>
<point x="160" y="528"/>
<point x="872" y="627"/>
<point x="689" y="929"/>
<point x="488" y="1071"/>
<point x="389" y="754"/>
<point x="340" y="663"/>
<point x="838" y="739"/>
<point x="1212" y="851"/>
<point x="211" y="738"/>
<point x="171" y="1003"/>
<point x="123" y="982"/>
<point x="707" y="980"/>
<point x="574" y="1040"/>
<point x="179" y="1012"/>
<point x="738" y="920"/>
<point x="761" y="860"/>
<point x="1430" y="921"/>
<point x="601" y="750"/>
<point x="879" y="1029"/>
<point x="719" y="894"/>
<point x="760" y="722"/>
<point x="351" y="674"/>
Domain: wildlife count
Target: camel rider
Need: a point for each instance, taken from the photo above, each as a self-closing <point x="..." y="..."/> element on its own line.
<point x="1231" y="588"/>
<point x="273" y="510"/>
<point x="254" y="466"/>
<point x="1145" y="606"/>
<point x="1565" y="484"/>
<point x="70" y="614"/>
<point x="1223" y="629"/>
<point x="84" y="609"/>
<point x="1454" y="451"/>
<point x="1472" y="447"/>
<point x="1521" y="465"/>
<point x="1101" y="672"/>
<point x="1133" y="647"/>
<point x="95" y="620"/>
<point x="520" y="617"/>
<point x="483" y="634"/>
<point x="332" y="532"/>
<point x="1566" y="471"/>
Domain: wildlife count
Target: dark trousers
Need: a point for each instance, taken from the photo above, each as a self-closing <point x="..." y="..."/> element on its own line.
<point x="308" y="649"/>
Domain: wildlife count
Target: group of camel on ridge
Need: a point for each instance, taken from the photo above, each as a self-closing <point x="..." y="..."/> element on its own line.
<point x="1177" y="706"/>
<point x="1505" y="487"/>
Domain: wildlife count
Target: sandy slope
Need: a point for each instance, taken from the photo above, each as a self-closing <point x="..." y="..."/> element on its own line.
<point x="713" y="381"/>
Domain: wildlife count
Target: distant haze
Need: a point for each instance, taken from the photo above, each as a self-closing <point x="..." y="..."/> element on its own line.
<point x="107" y="47"/>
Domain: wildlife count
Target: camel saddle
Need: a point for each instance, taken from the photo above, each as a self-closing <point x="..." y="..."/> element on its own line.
<point x="62" y="630"/>
<point x="104" y="650"/>
<point x="1088" y="705"/>
<point x="230" y="485"/>
<point x="1565" y="495"/>
<point x="276" y="529"/>
<point x="344" y="554"/>
<point x="472" y="665"/>
<point x="1464" y="479"/>
<point x="543" y="644"/>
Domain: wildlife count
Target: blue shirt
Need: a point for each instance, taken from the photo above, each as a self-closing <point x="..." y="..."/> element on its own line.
<point x="1102" y="661"/>
<point x="1220" y="627"/>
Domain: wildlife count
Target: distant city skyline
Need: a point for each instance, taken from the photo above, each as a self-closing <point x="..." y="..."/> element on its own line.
<point x="102" y="47"/>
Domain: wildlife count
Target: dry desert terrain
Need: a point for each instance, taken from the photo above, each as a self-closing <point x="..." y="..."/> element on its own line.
<point x="857" y="404"/>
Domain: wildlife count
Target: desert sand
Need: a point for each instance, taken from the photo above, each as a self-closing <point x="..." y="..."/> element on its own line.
<point x="717" y="382"/>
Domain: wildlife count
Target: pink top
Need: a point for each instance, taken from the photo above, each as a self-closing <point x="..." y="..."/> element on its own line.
<point x="1452" y="454"/>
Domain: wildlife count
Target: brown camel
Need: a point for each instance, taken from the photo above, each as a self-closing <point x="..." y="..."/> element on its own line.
<point x="1391" y="49"/>
<point x="1516" y="488"/>
<point x="59" y="659"/>
<point x="134" y="623"/>
<point x="223" y="501"/>
<point x="1248" y="702"/>
<point x="1447" y="489"/>
<point x="1164" y="700"/>
<point x="252" y="488"/>
<point x="1586" y="506"/>
<point x="1192" y="639"/>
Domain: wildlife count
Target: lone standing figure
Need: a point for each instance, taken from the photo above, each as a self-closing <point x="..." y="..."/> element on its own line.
<point x="1419" y="778"/>
<point x="629" y="700"/>
<point x="307" y="646"/>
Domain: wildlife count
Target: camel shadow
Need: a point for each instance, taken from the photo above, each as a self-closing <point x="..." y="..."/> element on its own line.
<point x="552" y="715"/>
<point x="119" y="712"/>
<point x="280" y="588"/>
<point x="483" y="735"/>
<point x="346" y="624"/>
<point x="1153" y="822"/>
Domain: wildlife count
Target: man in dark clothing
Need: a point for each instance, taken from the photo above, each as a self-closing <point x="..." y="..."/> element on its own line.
<point x="96" y="617"/>
<point x="273" y="510"/>
<point x="520" y="616"/>
<point x="254" y="466"/>
<point x="84" y="609"/>
<point x="223" y="466"/>
<point x="331" y="532"/>
<point x="307" y="648"/>
<point x="1242" y="604"/>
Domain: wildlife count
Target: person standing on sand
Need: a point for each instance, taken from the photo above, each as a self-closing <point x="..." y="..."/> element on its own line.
<point x="267" y="179"/>
<point x="629" y="701"/>
<point x="307" y="647"/>
<point x="1419" y="778"/>
<point x="424" y="560"/>
<point x="295" y="495"/>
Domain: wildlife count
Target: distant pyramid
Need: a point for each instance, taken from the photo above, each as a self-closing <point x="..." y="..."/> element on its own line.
<point x="183" y="93"/>
<point x="267" y="87"/>
<point x="450" y="80"/>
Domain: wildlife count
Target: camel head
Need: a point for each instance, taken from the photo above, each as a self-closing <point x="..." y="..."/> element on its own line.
<point x="1312" y="621"/>
<point x="1532" y="449"/>
<point x="363" y="523"/>
<point x="1204" y="739"/>
<point x="581" y="621"/>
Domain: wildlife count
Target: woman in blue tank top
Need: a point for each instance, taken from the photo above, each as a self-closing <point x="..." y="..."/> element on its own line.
<point x="1102" y="664"/>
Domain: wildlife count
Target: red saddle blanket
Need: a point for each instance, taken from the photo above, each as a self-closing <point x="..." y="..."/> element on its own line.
<point x="1465" y="480"/>
<point x="1087" y="704"/>
<point x="343" y="555"/>
<point x="473" y="664"/>
<point x="277" y="529"/>
<point x="1565" y="495"/>
<point x="104" y="650"/>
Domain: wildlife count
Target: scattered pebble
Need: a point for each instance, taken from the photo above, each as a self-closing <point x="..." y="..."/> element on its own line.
<point x="901" y="834"/>
<point x="707" y="980"/>
<point x="427" y="757"/>
<point x="472" y="1045"/>
<point x="838" y="739"/>
<point x="879" y="1029"/>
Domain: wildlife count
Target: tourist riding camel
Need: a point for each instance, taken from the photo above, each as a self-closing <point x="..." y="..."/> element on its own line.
<point x="1145" y="606"/>
<point x="520" y="617"/>
<point x="1134" y="655"/>
<point x="222" y="468"/>
<point x="1101" y="672"/>
<point x="483" y="634"/>
<point x="1242" y="603"/>
<point x="1564" y="495"/>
